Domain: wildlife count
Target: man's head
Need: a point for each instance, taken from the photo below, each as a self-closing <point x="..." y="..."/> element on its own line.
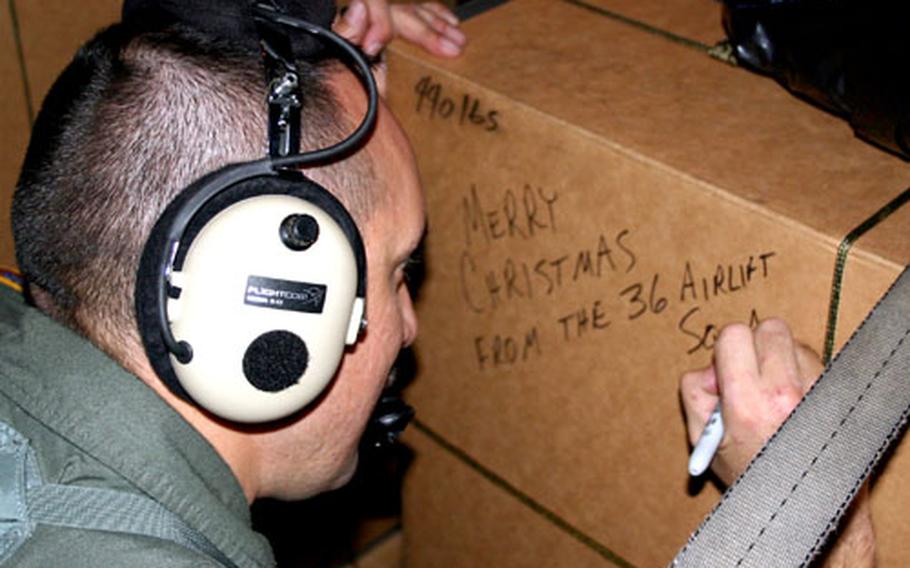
<point x="130" y="122"/>
<point x="136" y="118"/>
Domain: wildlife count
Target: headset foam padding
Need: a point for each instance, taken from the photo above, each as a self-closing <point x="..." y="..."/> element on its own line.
<point x="261" y="348"/>
<point x="275" y="360"/>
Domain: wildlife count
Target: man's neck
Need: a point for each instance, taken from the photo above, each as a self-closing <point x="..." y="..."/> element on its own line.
<point x="234" y="446"/>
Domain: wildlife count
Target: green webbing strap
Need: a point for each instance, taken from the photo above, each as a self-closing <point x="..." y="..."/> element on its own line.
<point x="25" y="500"/>
<point x="115" y="511"/>
<point x="841" y="261"/>
<point x="793" y="494"/>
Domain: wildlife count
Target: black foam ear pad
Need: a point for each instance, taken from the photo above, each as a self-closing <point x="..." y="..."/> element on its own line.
<point x="146" y="305"/>
<point x="148" y="278"/>
<point x="275" y="360"/>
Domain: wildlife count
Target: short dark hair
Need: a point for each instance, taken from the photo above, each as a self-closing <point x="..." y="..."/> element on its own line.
<point x="132" y="120"/>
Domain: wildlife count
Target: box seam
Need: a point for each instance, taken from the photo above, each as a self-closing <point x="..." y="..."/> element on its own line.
<point x="840" y="265"/>
<point x="641" y="25"/>
<point x="526" y="500"/>
<point x="20" y="57"/>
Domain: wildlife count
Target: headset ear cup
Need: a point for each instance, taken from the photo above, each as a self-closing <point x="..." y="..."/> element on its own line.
<point x="244" y="299"/>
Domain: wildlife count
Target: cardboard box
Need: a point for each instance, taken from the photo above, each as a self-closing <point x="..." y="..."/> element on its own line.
<point x="602" y="197"/>
<point x="385" y="553"/>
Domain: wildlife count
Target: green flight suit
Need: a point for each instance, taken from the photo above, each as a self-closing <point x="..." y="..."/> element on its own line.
<point x="93" y="424"/>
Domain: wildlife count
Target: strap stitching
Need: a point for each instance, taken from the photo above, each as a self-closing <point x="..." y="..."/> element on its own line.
<point x="895" y="430"/>
<point x="822" y="450"/>
<point x="708" y="519"/>
<point x="65" y="426"/>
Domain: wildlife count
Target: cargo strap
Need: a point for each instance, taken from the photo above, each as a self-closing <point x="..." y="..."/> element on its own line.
<point x="792" y="495"/>
<point x="25" y="501"/>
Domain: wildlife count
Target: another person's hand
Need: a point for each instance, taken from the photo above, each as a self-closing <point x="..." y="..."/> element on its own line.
<point x="372" y="24"/>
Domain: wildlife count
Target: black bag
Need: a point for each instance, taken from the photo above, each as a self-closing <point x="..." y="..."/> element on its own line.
<point x="851" y="57"/>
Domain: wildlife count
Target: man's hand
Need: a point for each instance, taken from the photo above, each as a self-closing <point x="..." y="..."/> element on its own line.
<point x="758" y="377"/>
<point x="372" y="24"/>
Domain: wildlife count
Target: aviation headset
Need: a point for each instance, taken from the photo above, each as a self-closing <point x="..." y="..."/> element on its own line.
<point x="253" y="280"/>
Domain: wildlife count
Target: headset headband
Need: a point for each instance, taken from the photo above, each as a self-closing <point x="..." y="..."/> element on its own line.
<point x="214" y="183"/>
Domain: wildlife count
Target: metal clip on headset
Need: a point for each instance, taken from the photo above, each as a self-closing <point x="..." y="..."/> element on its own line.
<point x="284" y="95"/>
<point x="285" y="104"/>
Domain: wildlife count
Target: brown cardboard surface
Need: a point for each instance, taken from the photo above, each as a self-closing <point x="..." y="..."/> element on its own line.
<point x="14" y="126"/>
<point x="599" y="203"/>
<point x="456" y="518"/>
<point x="51" y="32"/>
<point x="387" y="553"/>
<point x="692" y="20"/>
<point x="652" y="97"/>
